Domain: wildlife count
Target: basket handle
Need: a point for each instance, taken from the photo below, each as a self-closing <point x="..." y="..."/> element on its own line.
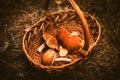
<point x="84" y="22"/>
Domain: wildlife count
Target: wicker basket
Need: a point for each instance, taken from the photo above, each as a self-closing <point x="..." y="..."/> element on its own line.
<point x="32" y="39"/>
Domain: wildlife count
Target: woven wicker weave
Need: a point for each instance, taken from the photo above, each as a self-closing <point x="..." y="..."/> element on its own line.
<point x="68" y="19"/>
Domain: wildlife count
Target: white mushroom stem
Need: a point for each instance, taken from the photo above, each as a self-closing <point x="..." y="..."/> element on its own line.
<point x="63" y="59"/>
<point x="41" y="47"/>
<point x="63" y="51"/>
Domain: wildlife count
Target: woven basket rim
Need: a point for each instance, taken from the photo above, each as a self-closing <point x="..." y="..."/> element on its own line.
<point x="62" y="66"/>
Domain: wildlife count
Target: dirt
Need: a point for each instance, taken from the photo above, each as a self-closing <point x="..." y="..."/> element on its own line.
<point x="16" y="16"/>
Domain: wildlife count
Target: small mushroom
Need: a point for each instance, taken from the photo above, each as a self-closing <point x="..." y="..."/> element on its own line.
<point x="62" y="51"/>
<point x="48" y="57"/>
<point x="50" y="40"/>
<point x="71" y="43"/>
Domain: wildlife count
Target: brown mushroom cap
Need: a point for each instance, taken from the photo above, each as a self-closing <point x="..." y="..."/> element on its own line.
<point x="50" y="40"/>
<point x="71" y="43"/>
<point x="48" y="57"/>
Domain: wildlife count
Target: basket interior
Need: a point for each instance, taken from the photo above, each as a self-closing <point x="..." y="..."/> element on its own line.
<point x="51" y="24"/>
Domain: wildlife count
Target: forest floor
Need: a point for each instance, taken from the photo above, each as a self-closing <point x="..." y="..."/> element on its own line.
<point x="16" y="16"/>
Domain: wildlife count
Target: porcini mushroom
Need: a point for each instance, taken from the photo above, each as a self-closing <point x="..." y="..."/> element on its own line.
<point x="50" y="40"/>
<point x="71" y="43"/>
<point x="48" y="57"/>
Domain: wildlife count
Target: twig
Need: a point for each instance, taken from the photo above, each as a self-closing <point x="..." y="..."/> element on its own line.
<point x="5" y="32"/>
<point x="16" y="50"/>
<point x="8" y="64"/>
<point x="14" y="67"/>
<point x="12" y="37"/>
<point x="28" y="5"/>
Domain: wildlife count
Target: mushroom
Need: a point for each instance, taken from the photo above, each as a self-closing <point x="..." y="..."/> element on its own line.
<point x="49" y="57"/>
<point x="71" y="43"/>
<point x="50" y="40"/>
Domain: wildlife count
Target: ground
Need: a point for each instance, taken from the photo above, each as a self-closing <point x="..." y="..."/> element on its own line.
<point x="16" y="16"/>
